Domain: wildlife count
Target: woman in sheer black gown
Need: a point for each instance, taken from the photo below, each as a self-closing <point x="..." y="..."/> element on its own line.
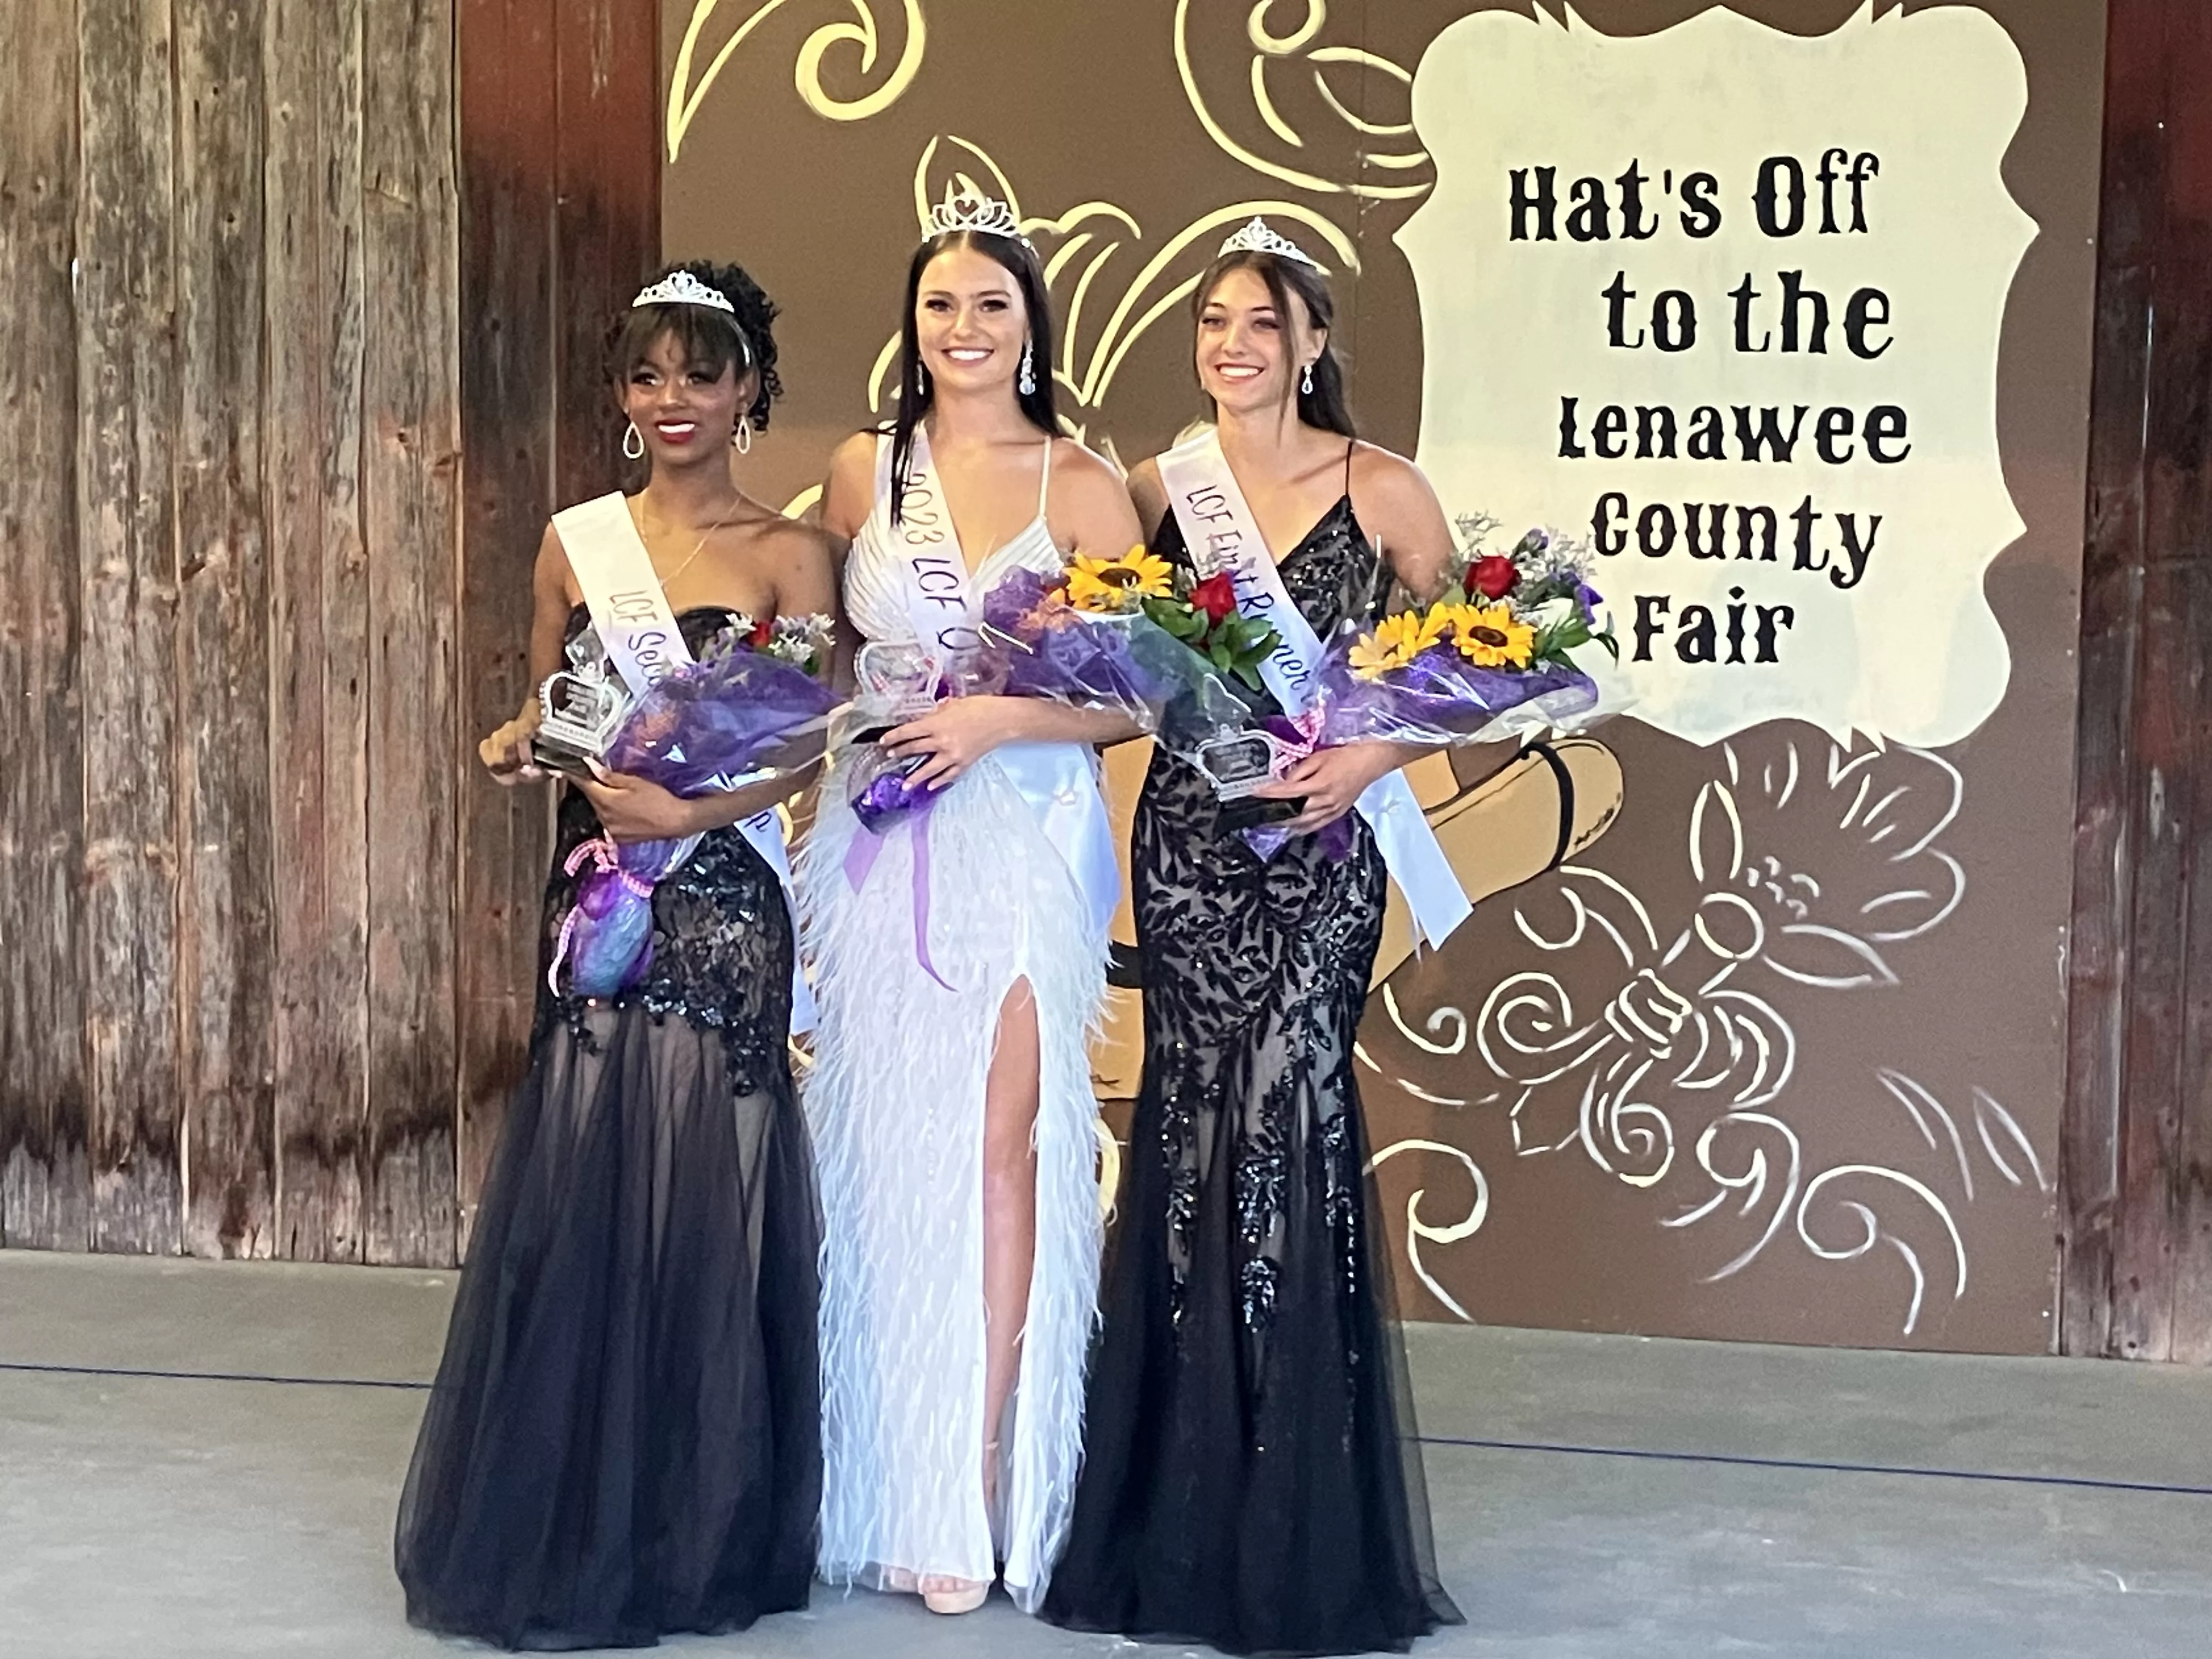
<point x="624" y="1439"/>
<point x="1250" y="1479"/>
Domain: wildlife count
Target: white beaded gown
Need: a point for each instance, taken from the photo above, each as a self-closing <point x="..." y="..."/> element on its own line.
<point x="894" y="1103"/>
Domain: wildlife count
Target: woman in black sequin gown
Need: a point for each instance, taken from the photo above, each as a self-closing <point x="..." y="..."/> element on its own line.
<point x="1250" y="1478"/>
<point x="624" y="1440"/>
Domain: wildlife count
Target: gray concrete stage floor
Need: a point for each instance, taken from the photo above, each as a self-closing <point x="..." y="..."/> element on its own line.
<point x="149" y="1516"/>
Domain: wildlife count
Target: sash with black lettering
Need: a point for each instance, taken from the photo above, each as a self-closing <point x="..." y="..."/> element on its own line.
<point x="643" y="644"/>
<point x="1222" y="534"/>
<point x="1059" y="781"/>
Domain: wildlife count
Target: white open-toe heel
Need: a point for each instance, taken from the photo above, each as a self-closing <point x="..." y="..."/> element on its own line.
<point x="965" y="1599"/>
<point x="959" y="1596"/>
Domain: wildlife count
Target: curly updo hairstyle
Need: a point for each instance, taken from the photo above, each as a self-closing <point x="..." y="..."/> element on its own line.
<point x="712" y="340"/>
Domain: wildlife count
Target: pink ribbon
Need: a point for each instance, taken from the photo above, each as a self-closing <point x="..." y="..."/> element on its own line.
<point x="1304" y="735"/>
<point x="601" y="851"/>
<point x="860" y="858"/>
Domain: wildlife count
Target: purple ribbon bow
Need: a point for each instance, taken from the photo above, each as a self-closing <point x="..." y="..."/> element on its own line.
<point x="884" y="803"/>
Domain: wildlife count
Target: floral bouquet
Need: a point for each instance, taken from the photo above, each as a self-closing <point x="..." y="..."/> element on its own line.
<point x="1491" y="661"/>
<point x="1104" y="634"/>
<point x="740" y="712"/>
<point x="1206" y="720"/>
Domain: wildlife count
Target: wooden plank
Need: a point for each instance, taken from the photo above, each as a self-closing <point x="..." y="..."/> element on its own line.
<point x="224" y="922"/>
<point x="2183" y="492"/>
<point x="411" y="445"/>
<point x="2104" y="850"/>
<point x="608" y="231"/>
<point x="127" y="387"/>
<point x="2188" y="1198"/>
<point x="508" y="262"/>
<point x="2155" y="780"/>
<point x="314" y="287"/>
<point x="2137" y="1141"/>
<point x="2150" y="1073"/>
<point x="45" y="1185"/>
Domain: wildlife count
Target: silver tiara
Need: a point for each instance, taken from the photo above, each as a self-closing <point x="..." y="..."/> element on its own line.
<point x="680" y="288"/>
<point x="971" y="209"/>
<point x="1259" y="237"/>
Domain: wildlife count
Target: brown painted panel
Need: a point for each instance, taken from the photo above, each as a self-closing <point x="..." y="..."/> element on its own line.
<point x="128" y="405"/>
<point x="508" y="305"/>
<point x="225" y="927"/>
<point x="45" y="1186"/>
<point x="411" y="517"/>
<point x="1940" y="1069"/>
<point x="315" y="303"/>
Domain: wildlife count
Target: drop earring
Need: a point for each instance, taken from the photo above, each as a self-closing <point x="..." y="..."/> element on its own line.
<point x="634" y="443"/>
<point x="1306" y="385"/>
<point x="742" y="438"/>
<point x="1026" y="382"/>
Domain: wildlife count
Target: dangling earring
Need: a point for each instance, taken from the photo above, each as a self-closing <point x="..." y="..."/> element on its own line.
<point x="742" y="438"/>
<point x="1026" y="383"/>
<point x="1306" y="385"/>
<point x="634" y="443"/>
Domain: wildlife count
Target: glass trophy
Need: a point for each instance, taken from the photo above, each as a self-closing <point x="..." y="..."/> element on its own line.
<point x="898" y="679"/>
<point x="580" y="709"/>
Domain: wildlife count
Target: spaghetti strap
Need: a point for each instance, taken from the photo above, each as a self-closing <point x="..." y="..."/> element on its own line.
<point x="1044" y="477"/>
<point x="1350" y="444"/>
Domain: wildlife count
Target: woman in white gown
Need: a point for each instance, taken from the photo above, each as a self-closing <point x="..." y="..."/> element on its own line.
<point x="951" y="1099"/>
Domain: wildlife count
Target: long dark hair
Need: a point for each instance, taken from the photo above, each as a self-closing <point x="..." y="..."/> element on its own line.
<point x="917" y="395"/>
<point x="713" y="339"/>
<point x="1324" y="406"/>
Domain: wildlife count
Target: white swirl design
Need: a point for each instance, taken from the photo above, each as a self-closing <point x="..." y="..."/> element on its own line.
<point x="1682" y="1072"/>
<point x="687" y="86"/>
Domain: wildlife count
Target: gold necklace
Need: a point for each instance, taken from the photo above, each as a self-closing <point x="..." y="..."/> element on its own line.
<point x="702" y="545"/>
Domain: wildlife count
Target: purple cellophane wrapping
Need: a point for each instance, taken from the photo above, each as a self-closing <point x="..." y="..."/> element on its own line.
<point x="1440" y="697"/>
<point x="880" y="791"/>
<point x="718" y="719"/>
<point x="704" y="724"/>
<point x="608" y="937"/>
<point x="1127" y="663"/>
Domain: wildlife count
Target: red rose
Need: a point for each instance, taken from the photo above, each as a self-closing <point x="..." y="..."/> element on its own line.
<point x="1493" y="576"/>
<point x="1216" y="596"/>
<point x="763" y="631"/>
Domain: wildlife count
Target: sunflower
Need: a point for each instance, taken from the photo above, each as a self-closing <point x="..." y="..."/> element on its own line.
<point x="1491" y="636"/>
<point x="1112" y="584"/>
<point x="1396" y="642"/>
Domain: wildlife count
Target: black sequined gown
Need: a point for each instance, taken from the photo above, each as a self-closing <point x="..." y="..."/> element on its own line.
<point x="1249" y="1478"/>
<point x="624" y="1440"/>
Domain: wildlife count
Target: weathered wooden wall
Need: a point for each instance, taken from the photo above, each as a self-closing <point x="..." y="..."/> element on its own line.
<point x="2137" y="1165"/>
<point x="300" y="345"/>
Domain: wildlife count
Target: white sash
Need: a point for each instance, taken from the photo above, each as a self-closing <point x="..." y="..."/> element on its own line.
<point x="1058" y="781"/>
<point x="1221" y="533"/>
<point x="644" y="643"/>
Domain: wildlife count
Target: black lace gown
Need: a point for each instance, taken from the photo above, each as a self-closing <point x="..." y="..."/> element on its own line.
<point x="1250" y="1479"/>
<point x="624" y="1440"/>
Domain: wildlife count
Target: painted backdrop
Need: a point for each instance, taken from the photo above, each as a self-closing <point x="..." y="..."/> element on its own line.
<point x="1784" y="310"/>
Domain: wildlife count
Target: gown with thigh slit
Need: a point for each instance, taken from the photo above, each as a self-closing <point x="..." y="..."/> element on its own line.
<point x="624" y="1438"/>
<point x="911" y="970"/>
<point x="1251" y="1479"/>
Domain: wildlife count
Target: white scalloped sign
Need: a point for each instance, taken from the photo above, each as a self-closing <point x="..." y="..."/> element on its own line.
<point x="1726" y="301"/>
